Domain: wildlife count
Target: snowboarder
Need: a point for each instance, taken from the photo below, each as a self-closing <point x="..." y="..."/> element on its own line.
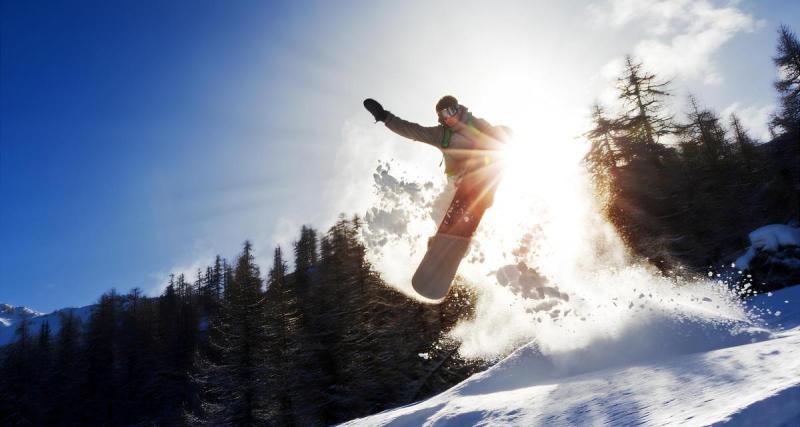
<point x="470" y="148"/>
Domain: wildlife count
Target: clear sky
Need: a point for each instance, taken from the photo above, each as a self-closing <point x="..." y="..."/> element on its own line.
<point x="141" y="137"/>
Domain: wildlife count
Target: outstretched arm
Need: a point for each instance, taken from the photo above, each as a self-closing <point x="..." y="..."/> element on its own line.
<point x="430" y="135"/>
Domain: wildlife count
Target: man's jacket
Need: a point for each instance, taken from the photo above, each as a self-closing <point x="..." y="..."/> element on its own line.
<point x="473" y="141"/>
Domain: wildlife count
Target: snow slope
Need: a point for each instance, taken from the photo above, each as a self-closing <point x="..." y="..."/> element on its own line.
<point x="695" y="374"/>
<point x="11" y="316"/>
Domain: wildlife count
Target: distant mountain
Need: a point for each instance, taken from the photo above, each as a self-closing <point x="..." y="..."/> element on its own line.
<point x="10" y="314"/>
<point x="10" y="317"/>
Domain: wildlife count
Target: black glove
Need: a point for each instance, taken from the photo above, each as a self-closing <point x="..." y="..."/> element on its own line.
<point x="376" y="109"/>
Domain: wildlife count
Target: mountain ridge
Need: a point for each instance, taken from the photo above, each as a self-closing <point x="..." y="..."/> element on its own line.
<point x="10" y="316"/>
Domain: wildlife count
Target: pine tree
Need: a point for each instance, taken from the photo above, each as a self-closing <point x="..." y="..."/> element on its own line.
<point x="603" y="157"/>
<point x="306" y="256"/>
<point x="704" y="140"/>
<point x="284" y="331"/>
<point x="331" y="312"/>
<point x="138" y="360"/>
<point x="232" y="377"/>
<point x="17" y="379"/>
<point x="744" y="144"/>
<point x="43" y="341"/>
<point x="787" y="118"/>
<point x="42" y="360"/>
<point x="183" y="289"/>
<point x="177" y="328"/>
<point x="644" y="120"/>
<point x="201" y="288"/>
<point x="217" y="279"/>
<point x="167" y="326"/>
<point x="66" y="370"/>
<point x="227" y="278"/>
<point x="100" y="380"/>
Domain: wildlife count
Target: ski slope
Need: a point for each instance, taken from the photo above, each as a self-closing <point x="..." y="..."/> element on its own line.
<point x="706" y="375"/>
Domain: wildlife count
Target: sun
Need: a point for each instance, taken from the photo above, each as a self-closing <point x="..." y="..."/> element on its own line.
<point x="543" y="189"/>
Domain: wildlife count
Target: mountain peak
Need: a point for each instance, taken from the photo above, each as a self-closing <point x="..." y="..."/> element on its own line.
<point x="19" y="311"/>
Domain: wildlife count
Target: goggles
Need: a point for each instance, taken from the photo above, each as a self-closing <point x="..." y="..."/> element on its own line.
<point x="448" y="112"/>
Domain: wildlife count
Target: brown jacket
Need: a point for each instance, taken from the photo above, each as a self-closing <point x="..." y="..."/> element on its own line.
<point x="472" y="140"/>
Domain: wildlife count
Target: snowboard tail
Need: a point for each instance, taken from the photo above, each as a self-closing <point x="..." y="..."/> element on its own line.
<point x="439" y="265"/>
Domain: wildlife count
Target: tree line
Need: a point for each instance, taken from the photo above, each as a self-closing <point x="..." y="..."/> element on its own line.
<point x="324" y="343"/>
<point x="686" y="192"/>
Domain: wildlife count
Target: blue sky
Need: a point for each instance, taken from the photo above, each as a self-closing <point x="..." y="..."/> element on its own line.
<point x="139" y="138"/>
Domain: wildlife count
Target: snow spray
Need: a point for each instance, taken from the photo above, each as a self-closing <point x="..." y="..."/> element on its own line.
<point x="550" y="271"/>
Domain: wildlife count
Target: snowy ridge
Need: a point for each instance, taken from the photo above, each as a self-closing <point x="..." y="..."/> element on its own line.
<point x="11" y="316"/>
<point x="689" y="373"/>
<point x="8" y="312"/>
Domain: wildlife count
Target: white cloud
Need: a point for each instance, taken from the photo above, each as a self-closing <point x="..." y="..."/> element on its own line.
<point x="656" y="16"/>
<point x="679" y="37"/>
<point x="753" y="117"/>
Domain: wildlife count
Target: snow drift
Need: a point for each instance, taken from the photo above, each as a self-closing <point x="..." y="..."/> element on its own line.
<point x="727" y="381"/>
<point x="768" y="238"/>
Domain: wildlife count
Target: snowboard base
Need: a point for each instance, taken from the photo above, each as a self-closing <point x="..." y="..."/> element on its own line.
<point x="439" y="265"/>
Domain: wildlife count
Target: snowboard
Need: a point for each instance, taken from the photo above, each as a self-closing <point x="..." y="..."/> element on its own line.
<point x="474" y="195"/>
